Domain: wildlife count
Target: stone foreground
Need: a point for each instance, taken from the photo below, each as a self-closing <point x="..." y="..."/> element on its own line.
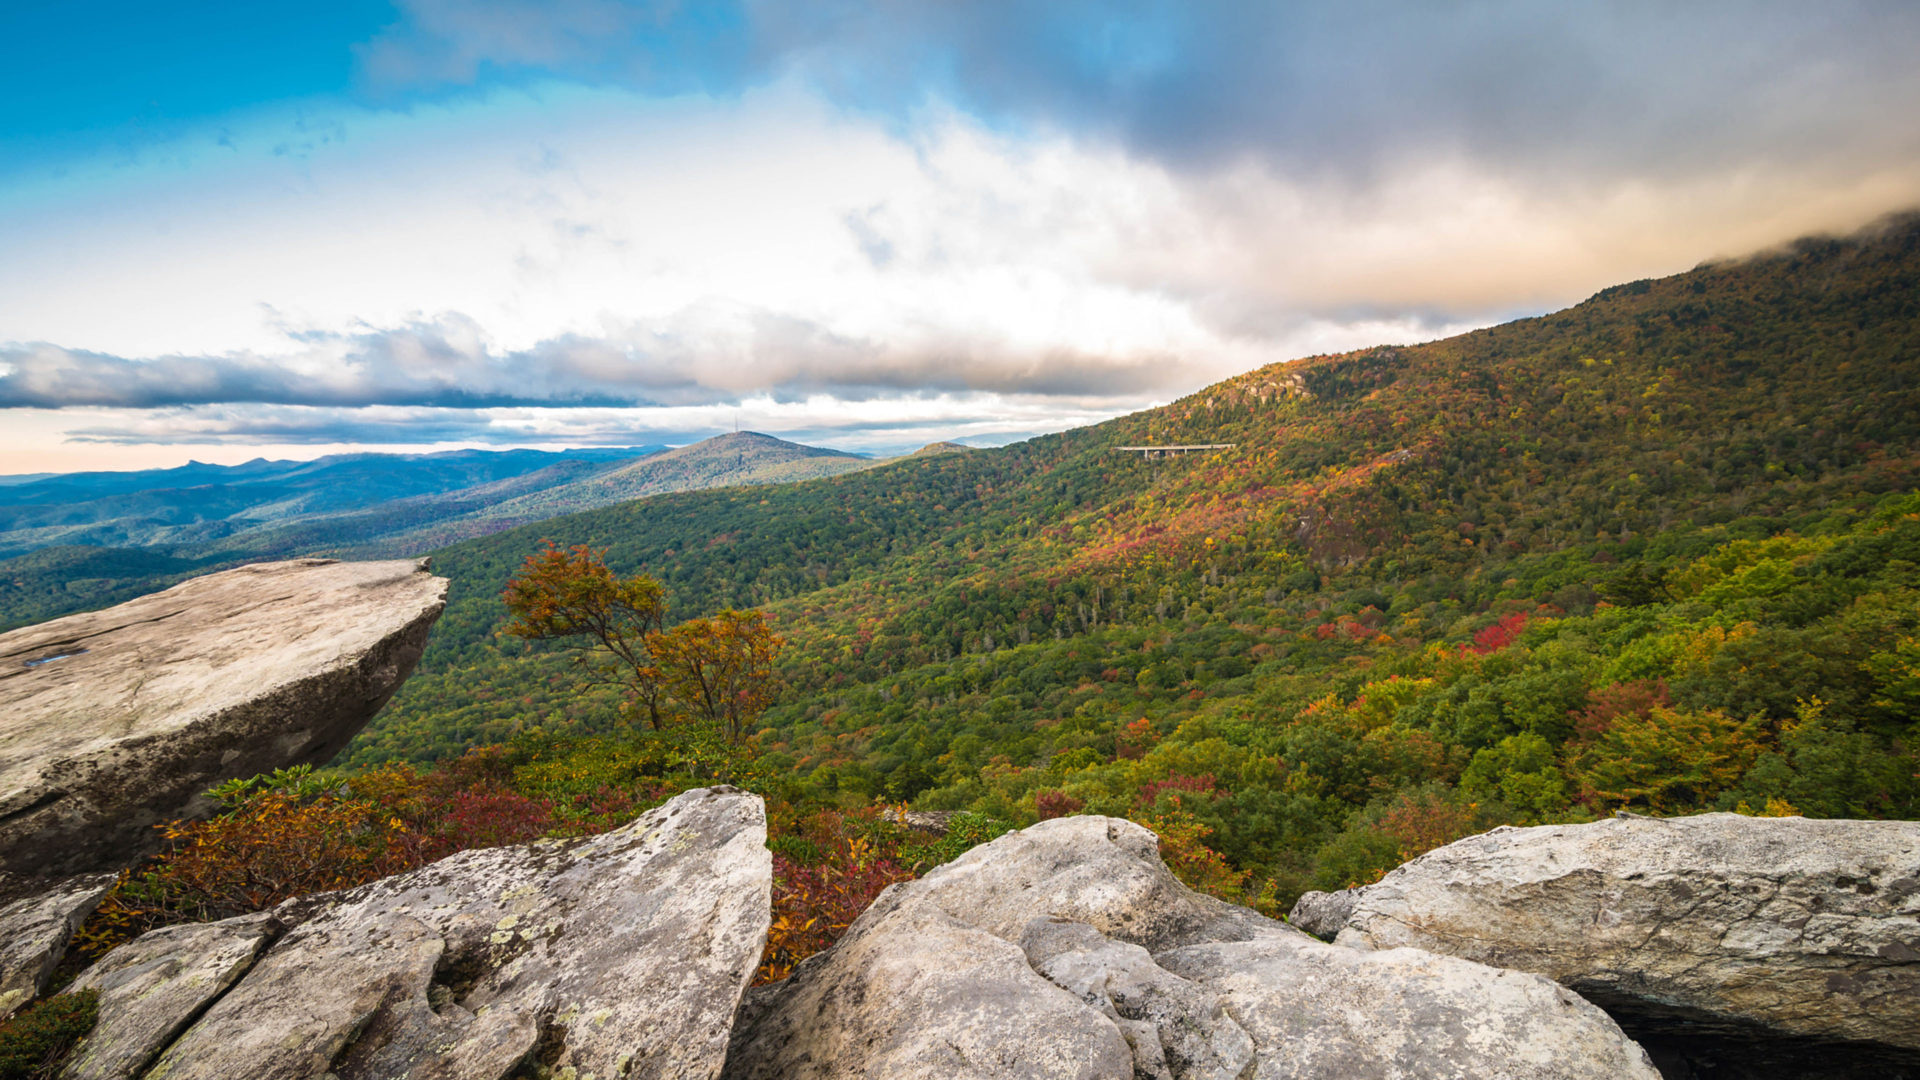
<point x="37" y="918"/>
<point x="623" y="955"/>
<point x="114" y="721"/>
<point x="1069" y="950"/>
<point x="1716" y="924"/>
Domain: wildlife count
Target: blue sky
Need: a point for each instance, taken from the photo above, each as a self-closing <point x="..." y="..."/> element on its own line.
<point x="82" y="77"/>
<point x="293" y="228"/>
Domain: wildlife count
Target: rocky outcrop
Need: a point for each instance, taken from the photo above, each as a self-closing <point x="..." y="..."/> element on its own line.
<point x="114" y="721"/>
<point x="1069" y="950"/>
<point x="1714" y="937"/>
<point x="37" y="919"/>
<point x="623" y="955"/>
<point x="931" y="822"/>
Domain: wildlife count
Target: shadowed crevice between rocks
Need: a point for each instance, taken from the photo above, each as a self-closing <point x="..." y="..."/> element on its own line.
<point x="1691" y="1044"/>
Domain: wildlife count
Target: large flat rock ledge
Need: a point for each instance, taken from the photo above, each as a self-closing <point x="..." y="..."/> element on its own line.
<point x="114" y="721"/>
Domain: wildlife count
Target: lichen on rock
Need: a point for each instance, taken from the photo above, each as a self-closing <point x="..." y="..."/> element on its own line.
<point x="620" y="955"/>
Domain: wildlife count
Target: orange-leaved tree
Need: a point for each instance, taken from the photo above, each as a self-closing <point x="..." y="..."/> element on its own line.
<point x="571" y="593"/>
<point x="716" y="671"/>
<point x="721" y="669"/>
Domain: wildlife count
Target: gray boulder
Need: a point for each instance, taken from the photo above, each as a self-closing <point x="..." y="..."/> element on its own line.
<point x="114" y="721"/>
<point x="38" y="916"/>
<point x="1687" y="928"/>
<point x="921" y="994"/>
<point x="1174" y="1027"/>
<point x="1068" y="949"/>
<point x="623" y="955"/>
<point x="1323" y="914"/>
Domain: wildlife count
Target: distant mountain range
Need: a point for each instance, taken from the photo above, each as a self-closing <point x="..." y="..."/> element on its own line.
<point x="76" y="540"/>
<point x="199" y="504"/>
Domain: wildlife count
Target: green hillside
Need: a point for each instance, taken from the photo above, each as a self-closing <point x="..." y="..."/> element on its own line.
<point x="94" y="539"/>
<point x="1657" y="550"/>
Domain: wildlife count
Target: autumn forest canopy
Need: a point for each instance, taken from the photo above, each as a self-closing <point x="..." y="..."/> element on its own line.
<point x="1653" y="552"/>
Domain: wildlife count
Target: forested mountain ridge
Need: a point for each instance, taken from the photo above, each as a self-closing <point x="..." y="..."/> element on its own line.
<point x="83" y="540"/>
<point x="740" y="458"/>
<point x="197" y="503"/>
<point x="1678" y="510"/>
<point x="1742" y="386"/>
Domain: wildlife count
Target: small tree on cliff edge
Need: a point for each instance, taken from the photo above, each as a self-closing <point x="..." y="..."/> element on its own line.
<point x="718" y="671"/>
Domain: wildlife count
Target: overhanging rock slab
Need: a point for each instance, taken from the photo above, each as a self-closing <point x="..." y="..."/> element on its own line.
<point x="114" y="721"/>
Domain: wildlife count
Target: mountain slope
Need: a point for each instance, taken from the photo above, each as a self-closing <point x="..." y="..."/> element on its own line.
<point x="740" y="458"/>
<point x="82" y="540"/>
<point x="1730" y="389"/>
<point x="197" y="503"/>
<point x="1675" y="510"/>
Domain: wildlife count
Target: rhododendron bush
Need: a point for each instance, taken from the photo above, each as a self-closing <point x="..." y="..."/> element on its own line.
<point x="296" y="832"/>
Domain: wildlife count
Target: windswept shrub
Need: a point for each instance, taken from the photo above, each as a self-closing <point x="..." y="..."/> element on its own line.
<point x="830" y="865"/>
<point x="291" y="834"/>
<point x="34" y="1044"/>
<point x="271" y="848"/>
<point x="1055" y="803"/>
<point x="1183" y="847"/>
<point x="814" y="905"/>
<point x="1667" y="761"/>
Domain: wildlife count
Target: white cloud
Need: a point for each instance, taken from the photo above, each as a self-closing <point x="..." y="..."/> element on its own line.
<point x="561" y="245"/>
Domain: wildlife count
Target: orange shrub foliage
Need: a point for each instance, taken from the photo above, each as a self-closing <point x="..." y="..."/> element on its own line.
<point x="1420" y="822"/>
<point x="814" y="905"/>
<point x="1183" y="846"/>
<point x="828" y="867"/>
<point x="276" y="845"/>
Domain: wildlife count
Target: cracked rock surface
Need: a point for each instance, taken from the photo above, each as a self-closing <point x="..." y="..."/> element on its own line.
<point x="151" y="988"/>
<point x="38" y="916"/>
<point x="1795" y="927"/>
<point x="114" y="721"/>
<point x="1068" y="949"/>
<point x="622" y="955"/>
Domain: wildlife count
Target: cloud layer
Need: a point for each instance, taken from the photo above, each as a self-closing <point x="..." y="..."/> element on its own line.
<point x="1630" y="87"/>
<point x="698" y="358"/>
<point x="602" y="221"/>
